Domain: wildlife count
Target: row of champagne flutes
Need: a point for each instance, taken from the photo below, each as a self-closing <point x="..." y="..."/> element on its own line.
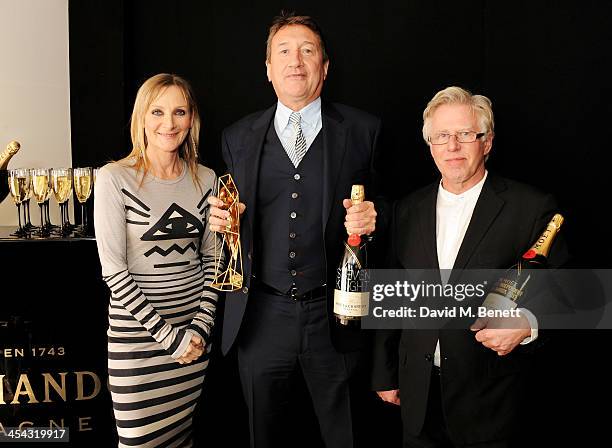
<point x="42" y="183"/>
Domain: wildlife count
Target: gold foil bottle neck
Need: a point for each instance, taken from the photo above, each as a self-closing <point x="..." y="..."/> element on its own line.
<point x="11" y="149"/>
<point x="357" y="194"/>
<point x="544" y="242"/>
<point x="557" y="221"/>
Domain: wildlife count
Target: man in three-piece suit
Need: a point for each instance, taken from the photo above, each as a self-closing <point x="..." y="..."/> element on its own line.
<point x="294" y="165"/>
<point x="462" y="387"/>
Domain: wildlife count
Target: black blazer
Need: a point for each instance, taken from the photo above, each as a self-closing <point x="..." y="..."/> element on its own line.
<point x="350" y="137"/>
<point x="481" y="391"/>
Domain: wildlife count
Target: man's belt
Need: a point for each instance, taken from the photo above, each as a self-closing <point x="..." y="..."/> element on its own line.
<point x="292" y="294"/>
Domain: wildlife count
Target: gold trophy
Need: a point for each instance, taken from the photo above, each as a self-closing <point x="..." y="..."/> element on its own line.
<point x="230" y="278"/>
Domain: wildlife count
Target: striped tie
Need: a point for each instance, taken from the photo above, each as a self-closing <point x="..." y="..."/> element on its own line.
<point x="297" y="152"/>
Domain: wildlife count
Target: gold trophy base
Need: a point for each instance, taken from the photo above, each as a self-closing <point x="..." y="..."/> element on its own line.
<point x="227" y="281"/>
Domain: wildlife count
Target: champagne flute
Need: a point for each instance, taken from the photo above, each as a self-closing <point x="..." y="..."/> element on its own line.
<point x="61" y="179"/>
<point x="82" y="187"/>
<point x="41" y="190"/>
<point x="19" y="185"/>
<point x="26" y="207"/>
<point x="50" y="226"/>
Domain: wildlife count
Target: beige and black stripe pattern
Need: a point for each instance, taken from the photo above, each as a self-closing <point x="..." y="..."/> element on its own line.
<point x="153" y="395"/>
<point x="160" y="297"/>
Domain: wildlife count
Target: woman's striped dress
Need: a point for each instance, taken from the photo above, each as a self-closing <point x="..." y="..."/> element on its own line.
<point x="157" y="258"/>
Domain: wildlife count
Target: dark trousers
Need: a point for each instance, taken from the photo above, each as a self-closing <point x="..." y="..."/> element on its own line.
<point x="281" y="341"/>
<point x="435" y="433"/>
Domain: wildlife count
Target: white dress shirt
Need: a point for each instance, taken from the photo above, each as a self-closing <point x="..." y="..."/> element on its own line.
<point x="453" y="215"/>
<point x="310" y="121"/>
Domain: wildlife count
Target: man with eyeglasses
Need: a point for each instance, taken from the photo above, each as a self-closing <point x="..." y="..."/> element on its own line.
<point x="461" y="387"/>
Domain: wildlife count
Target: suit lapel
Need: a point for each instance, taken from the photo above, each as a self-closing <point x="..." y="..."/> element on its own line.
<point x="487" y="208"/>
<point x="427" y="224"/>
<point x="334" y="149"/>
<point x="253" y="143"/>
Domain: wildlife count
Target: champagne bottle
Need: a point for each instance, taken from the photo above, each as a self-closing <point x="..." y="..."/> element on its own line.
<point x="11" y="149"/>
<point x="512" y="287"/>
<point x="351" y="297"/>
<point x="5" y="157"/>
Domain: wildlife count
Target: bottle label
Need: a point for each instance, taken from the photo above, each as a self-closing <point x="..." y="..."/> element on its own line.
<point x="351" y="304"/>
<point x="509" y="288"/>
<point x="495" y="301"/>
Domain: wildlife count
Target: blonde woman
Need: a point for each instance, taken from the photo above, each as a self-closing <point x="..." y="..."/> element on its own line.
<point x="157" y="259"/>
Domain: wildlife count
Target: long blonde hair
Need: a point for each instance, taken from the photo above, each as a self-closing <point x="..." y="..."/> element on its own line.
<point x="149" y="92"/>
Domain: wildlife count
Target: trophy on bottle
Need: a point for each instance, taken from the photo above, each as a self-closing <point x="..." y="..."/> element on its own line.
<point x="230" y="277"/>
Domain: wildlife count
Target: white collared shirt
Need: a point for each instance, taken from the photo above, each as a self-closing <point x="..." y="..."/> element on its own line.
<point x="311" y="123"/>
<point x="453" y="216"/>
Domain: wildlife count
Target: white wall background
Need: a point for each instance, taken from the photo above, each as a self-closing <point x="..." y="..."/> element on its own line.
<point x="34" y="90"/>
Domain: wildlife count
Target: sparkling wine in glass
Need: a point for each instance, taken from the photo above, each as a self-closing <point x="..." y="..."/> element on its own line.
<point x="61" y="179"/>
<point x="82" y="188"/>
<point x="19" y="186"/>
<point x="50" y="226"/>
<point x="41" y="191"/>
<point x="25" y="205"/>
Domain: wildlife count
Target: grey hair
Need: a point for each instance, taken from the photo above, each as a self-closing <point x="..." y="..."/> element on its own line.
<point x="480" y="105"/>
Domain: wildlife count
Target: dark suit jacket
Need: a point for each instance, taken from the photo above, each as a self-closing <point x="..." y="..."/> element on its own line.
<point x="481" y="391"/>
<point x="349" y="137"/>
